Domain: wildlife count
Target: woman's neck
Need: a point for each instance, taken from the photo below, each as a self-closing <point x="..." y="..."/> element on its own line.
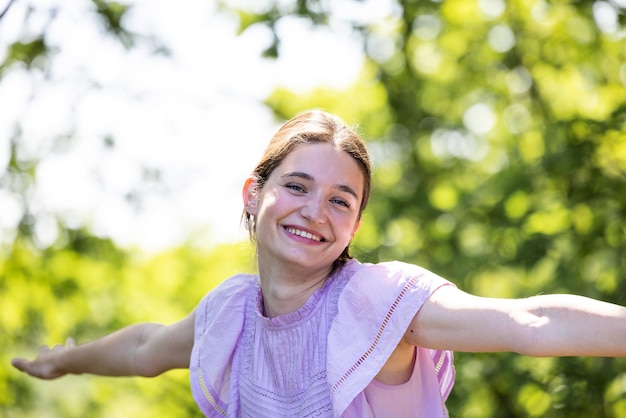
<point x="287" y="291"/>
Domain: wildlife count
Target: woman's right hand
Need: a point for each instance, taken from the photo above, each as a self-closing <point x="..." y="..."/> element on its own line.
<point x="45" y="366"/>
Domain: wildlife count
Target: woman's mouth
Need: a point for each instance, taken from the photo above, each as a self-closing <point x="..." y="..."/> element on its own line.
<point x="304" y="234"/>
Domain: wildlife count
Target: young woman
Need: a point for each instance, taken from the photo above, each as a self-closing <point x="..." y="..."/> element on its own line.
<point x="317" y="333"/>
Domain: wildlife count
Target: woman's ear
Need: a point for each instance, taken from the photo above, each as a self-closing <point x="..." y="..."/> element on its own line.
<point x="249" y="194"/>
<point x="356" y="227"/>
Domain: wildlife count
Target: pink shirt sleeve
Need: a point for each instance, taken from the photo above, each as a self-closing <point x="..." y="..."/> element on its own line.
<point x="219" y="323"/>
<point x="374" y="311"/>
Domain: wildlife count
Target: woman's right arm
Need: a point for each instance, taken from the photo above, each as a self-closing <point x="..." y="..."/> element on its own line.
<point x="146" y="349"/>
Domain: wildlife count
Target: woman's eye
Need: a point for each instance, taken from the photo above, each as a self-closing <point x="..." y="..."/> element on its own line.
<point x="341" y="202"/>
<point x="295" y="187"/>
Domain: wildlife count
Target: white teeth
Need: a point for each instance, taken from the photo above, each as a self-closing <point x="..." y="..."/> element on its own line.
<point x="304" y="234"/>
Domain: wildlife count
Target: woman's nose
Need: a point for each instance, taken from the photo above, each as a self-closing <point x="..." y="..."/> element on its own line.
<point x="314" y="210"/>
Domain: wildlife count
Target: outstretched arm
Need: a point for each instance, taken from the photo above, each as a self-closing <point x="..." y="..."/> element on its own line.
<point x="146" y="349"/>
<point x="545" y="325"/>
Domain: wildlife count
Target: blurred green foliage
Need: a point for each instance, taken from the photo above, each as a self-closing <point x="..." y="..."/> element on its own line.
<point x="499" y="137"/>
<point x="86" y="289"/>
<point x="498" y="131"/>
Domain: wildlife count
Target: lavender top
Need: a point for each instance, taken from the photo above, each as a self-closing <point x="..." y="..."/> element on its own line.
<point x="319" y="361"/>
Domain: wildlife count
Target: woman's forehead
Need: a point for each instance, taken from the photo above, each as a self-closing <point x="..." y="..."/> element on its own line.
<point x="322" y="161"/>
<point x="319" y="156"/>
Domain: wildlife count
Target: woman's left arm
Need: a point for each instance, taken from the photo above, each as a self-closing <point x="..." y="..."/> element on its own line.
<point x="544" y="325"/>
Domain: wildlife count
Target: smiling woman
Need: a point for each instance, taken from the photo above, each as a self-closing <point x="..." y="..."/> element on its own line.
<point x="315" y="128"/>
<point x="302" y="216"/>
<point x="318" y="333"/>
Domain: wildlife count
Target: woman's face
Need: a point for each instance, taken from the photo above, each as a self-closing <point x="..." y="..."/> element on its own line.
<point x="308" y="210"/>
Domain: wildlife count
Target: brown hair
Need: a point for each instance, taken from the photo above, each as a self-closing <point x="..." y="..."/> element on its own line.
<point x="312" y="127"/>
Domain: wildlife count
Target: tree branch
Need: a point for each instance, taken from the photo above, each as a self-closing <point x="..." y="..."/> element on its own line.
<point x="6" y="9"/>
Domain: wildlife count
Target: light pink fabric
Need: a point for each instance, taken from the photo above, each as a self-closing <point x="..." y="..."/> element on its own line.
<point x="318" y="360"/>
<point x="416" y="398"/>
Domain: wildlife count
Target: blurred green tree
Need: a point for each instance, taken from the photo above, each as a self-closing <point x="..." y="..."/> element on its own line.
<point x="499" y="135"/>
<point x="89" y="288"/>
<point x="499" y="139"/>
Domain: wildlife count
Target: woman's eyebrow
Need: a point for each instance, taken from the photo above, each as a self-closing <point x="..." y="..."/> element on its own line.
<point x="300" y="174"/>
<point x="347" y="189"/>
<point x="306" y="176"/>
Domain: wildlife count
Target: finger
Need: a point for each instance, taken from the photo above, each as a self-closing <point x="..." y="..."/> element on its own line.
<point x="20" y="364"/>
<point x="30" y="368"/>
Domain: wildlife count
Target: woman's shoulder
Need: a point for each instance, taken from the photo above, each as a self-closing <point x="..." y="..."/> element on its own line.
<point x="231" y="292"/>
<point x="389" y="280"/>
<point x="392" y="270"/>
<point x="238" y="282"/>
<point x="374" y="310"/>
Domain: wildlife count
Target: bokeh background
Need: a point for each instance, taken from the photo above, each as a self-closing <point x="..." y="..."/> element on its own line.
<point x="498" y="131"/>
